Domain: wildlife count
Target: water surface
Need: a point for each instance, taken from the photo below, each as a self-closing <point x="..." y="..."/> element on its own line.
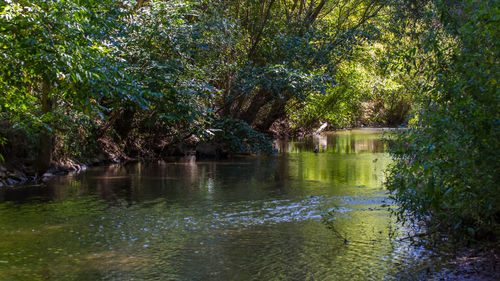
<point x="299" y="215"/>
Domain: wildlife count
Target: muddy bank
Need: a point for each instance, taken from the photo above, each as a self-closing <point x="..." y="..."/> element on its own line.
<point x="12" y="174"/>
<point x="472" y="264"/>
<point x="22" y="171"/>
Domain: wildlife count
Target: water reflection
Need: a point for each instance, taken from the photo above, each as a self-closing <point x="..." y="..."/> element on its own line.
<point x="353" y="141"/>
<point x="255" y="218"/>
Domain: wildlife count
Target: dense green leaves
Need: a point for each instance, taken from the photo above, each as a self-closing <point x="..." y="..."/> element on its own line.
<point x="170" y="65"/>
<point x="54" y="56"/>
<point x="68" y="66"/>
<point x="446" y="167"/>
<point x="294" y="50"/>
<point x="236" y="136"/>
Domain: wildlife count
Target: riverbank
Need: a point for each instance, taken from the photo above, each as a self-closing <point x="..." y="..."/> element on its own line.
<point x="19" y="171"/>
<point x="480" y="263"/>
<point x="12" y="175"/>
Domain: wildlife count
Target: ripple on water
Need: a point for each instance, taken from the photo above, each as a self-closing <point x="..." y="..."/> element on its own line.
<point x="301" y="216"/>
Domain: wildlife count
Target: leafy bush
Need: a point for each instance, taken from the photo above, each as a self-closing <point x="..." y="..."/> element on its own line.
<point x="446" y="170"/>
<point x="238" y="137"/>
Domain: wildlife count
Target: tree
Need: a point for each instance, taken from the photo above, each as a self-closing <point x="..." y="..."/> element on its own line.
<point x="446" y="168"/>
<point x="53" y="54"/>
<point x="292" y="49"/>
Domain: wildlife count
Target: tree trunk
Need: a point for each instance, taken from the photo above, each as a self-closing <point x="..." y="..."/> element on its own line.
<point x="259" y="100"/>
<point x="46" y="146"/>
<point x="276" y="111"/>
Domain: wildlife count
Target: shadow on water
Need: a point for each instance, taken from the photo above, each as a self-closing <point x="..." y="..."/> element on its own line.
<point x="299" y="215"/>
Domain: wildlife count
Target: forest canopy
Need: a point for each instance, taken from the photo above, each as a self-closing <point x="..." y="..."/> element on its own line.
<point x="157" y="72"/>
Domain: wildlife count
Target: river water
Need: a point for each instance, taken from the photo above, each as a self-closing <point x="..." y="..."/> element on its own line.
<point x="298" y="215"/>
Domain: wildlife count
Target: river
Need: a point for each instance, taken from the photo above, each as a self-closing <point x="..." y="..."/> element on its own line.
<point x="298" y="215"/>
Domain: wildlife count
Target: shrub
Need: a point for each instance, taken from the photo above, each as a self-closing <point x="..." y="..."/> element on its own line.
<point x="236" y="136"/>
<point x="446" y="170"/>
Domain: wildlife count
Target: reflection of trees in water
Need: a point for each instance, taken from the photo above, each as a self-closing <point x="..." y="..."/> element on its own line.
<point x="172" y="197"/>
<point x="185" y="179"/>
<point x="344" y="142"/>
<point x="190" y="179"/>
<point x="351" y="143"/>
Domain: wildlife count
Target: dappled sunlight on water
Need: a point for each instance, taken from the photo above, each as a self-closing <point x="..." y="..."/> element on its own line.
<point x="253" y="218"/>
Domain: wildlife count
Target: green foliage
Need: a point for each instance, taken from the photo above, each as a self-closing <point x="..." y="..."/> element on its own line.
<point x="158" y="71"/>
<point x="238" y="137"/>
<point x="69" y="67"/>
<point x="364" y="94"/>
<point x="446" y="168"/>
<point x="293" y="51"/>
<point x="337" y="108"/>
<point x="57" y="62"/>
<point x="60" y="43"/>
